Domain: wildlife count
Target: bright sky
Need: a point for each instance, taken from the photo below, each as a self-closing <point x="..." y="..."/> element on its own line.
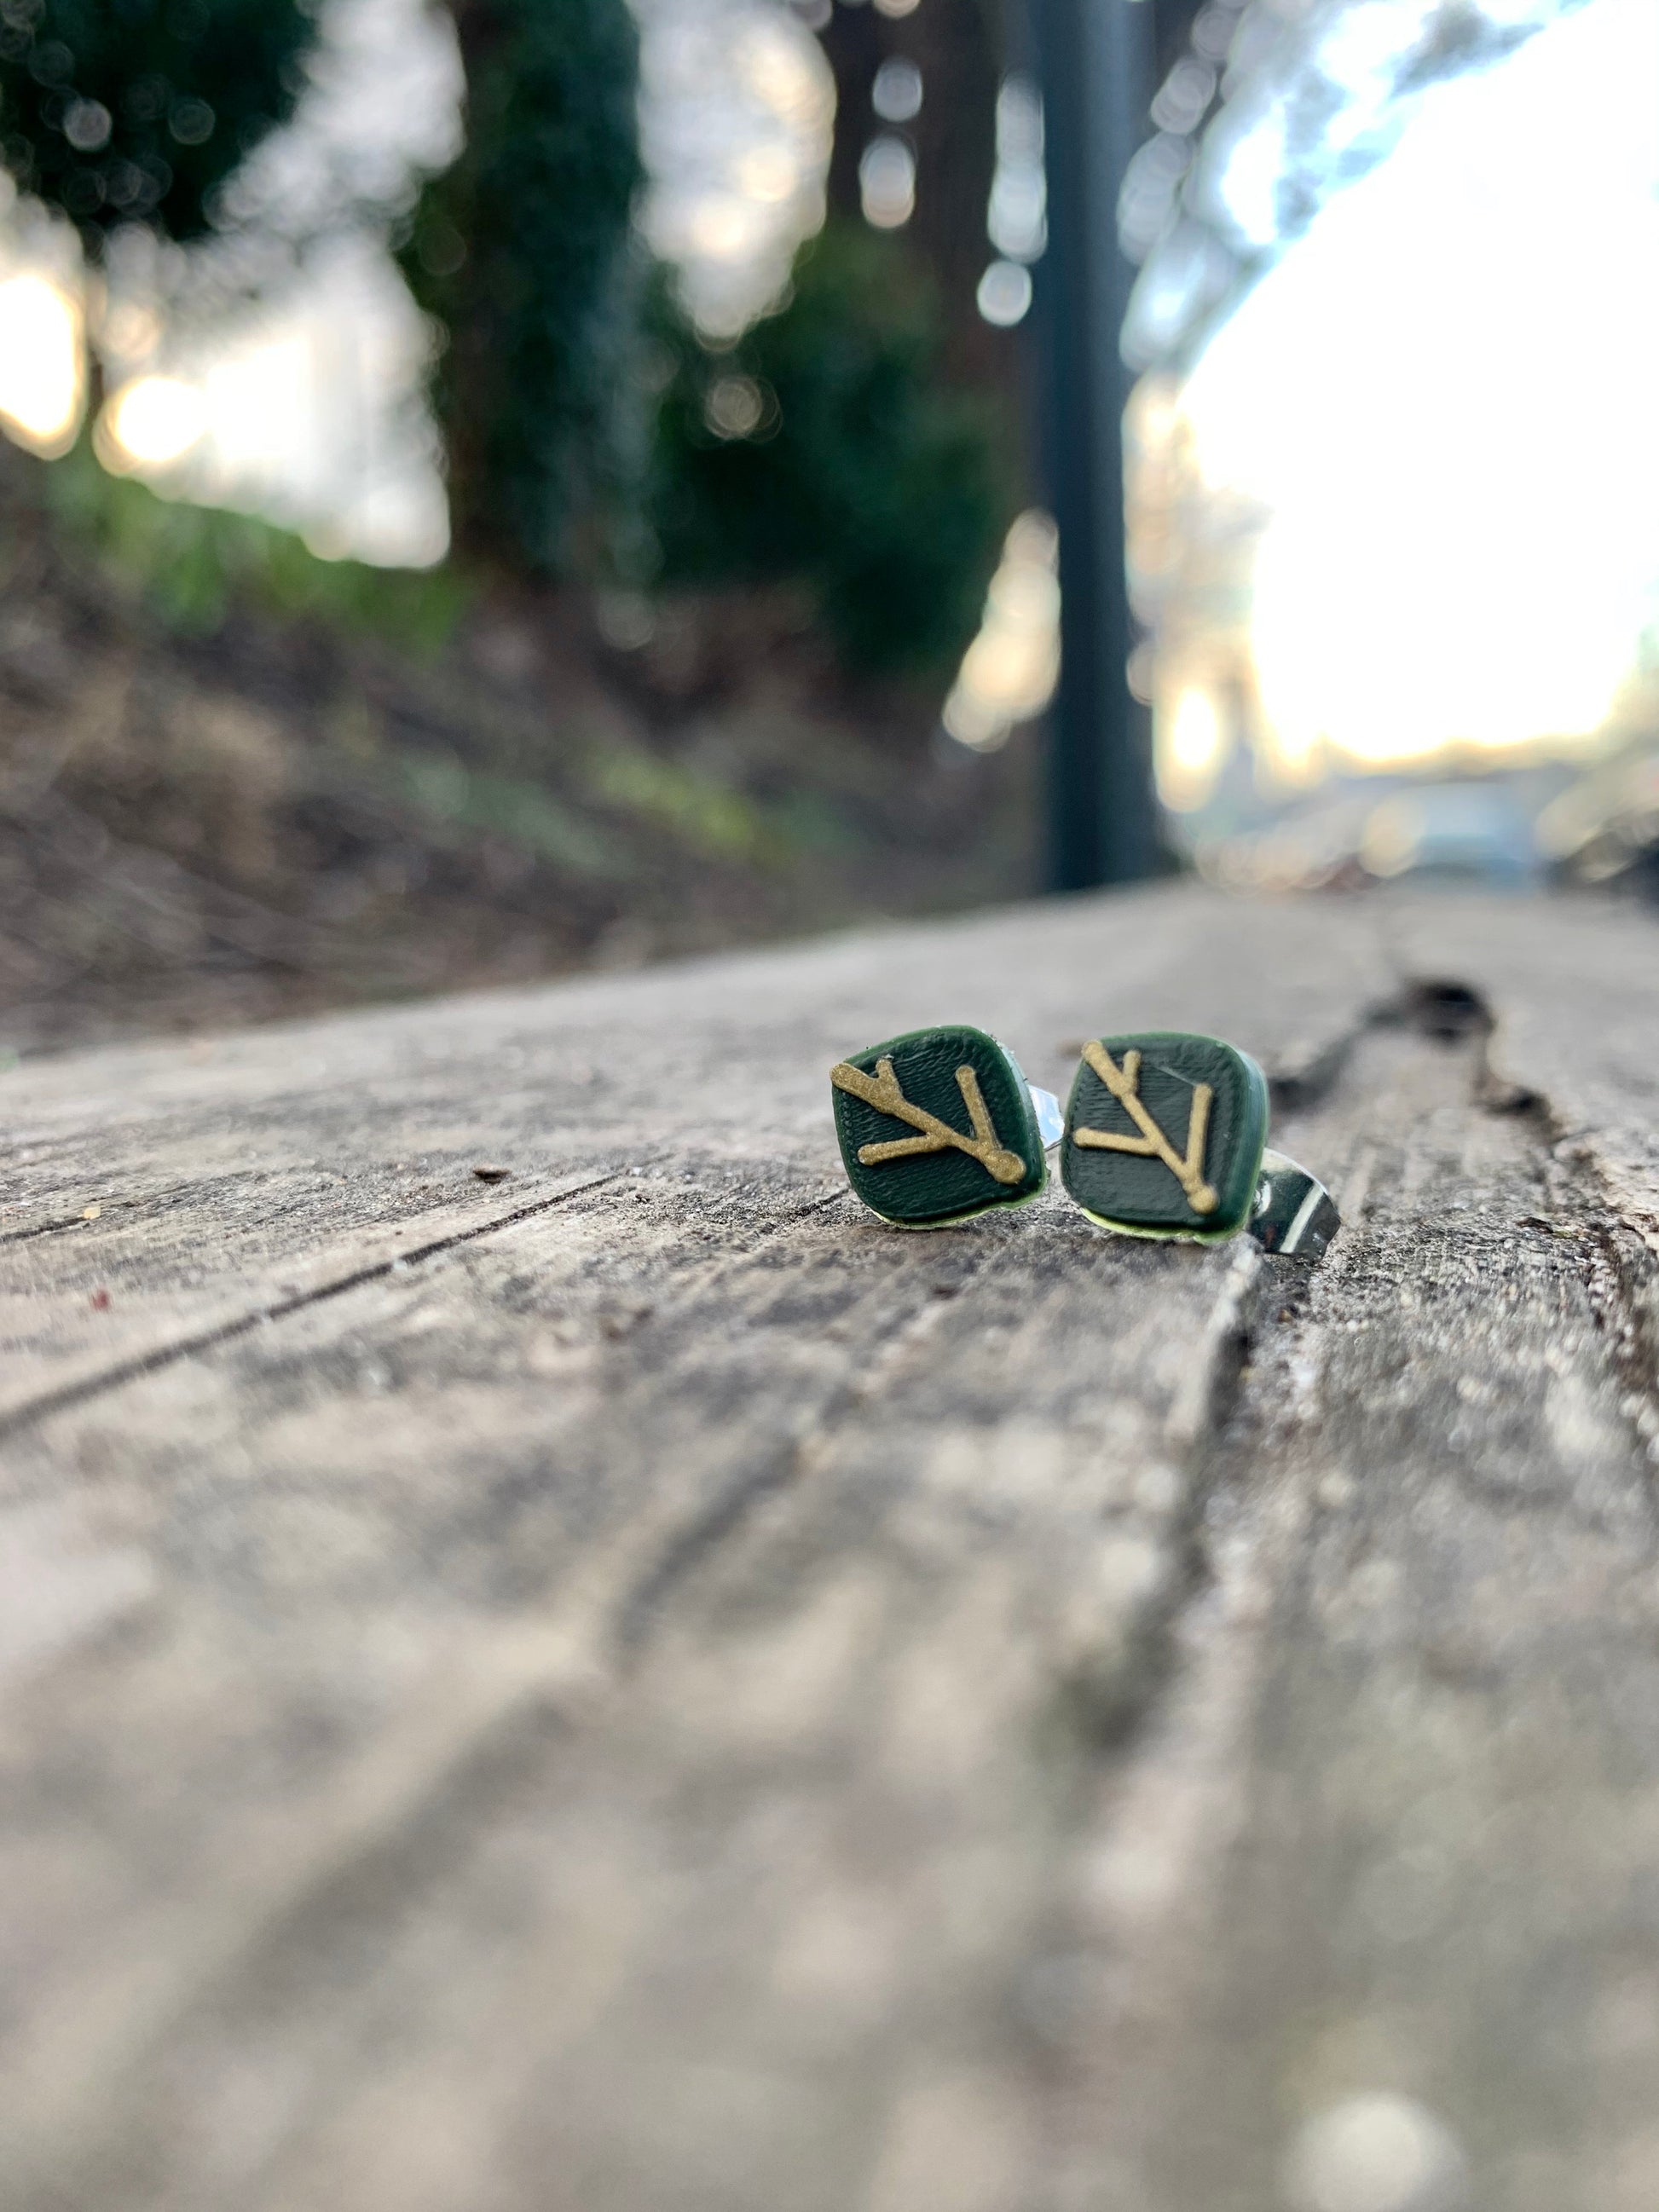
<point x="1445" y="392"/>
<point x="736" y="110"/>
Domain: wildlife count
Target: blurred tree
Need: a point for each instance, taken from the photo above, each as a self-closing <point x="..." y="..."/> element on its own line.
<point x="137" y="110"/>
<point x="957" y="48"/>
<point x="822" y="446"/>
<point x="522" y="253"/>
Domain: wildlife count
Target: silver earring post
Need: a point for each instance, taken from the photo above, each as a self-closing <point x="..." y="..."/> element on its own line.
<point x="1294" y="1214"/>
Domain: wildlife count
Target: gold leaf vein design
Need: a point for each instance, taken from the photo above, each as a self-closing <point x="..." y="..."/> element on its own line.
<point x="885" y="1093"/>
<point x="1124" y="1083"/>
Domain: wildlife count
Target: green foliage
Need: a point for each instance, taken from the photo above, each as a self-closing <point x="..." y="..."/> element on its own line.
<point x="823" y="448"/>
<point x="526" y="814"/>
<point x="193" y="564"/>
<point x="136" y="111"/>
<point x="522" y="254"/>
<point x="704" y="814"/>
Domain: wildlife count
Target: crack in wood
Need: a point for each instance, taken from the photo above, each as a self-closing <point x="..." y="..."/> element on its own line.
<point x="689" y="1546"/>
<point x="1444" y="1007"/>
<point x="1115" y="1708"/>
<point x="143" y="1364"/>
<point x="1111" y="1707"/>
<point x="43" y="1229"/>
<point x="1469" y="1560"/>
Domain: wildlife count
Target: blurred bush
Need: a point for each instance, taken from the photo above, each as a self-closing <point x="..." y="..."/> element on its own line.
<point x="522" y="252"/>
<point x="590" y="430"/>
<point x="824" y="447"/>
<point x="137" y="110"/>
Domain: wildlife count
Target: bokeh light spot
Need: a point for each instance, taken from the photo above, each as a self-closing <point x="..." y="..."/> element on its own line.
<point x="887" y="183"/>
<point x="155" y="420"/>
<point x="41" y="382"/>
<point x="1005" y="293"/>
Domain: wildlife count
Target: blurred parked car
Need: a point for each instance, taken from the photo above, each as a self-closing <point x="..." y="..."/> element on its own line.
<point x="1604" y="827"/>
<point x="1473" y="830"/>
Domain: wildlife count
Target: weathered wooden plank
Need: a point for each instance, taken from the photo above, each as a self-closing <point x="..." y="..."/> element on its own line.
<point x="681" y="1695"/>
<point x="222" y="1168"/>
<point x="1411" y="1858"/>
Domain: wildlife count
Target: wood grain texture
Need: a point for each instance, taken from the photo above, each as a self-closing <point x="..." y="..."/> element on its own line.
<point x="636" y="1686"/>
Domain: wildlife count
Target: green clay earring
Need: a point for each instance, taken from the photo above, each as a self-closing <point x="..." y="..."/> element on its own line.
<point x="939" y="1125"/>
<point x="1166" y="1136"/>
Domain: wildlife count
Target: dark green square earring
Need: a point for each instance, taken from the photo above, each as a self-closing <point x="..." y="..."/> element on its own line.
<point x="1164" y="1136"/>
<point x="939" y="1125"/>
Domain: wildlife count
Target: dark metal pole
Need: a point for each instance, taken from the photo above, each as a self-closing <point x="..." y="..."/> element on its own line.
<point x="1095" y="61"/>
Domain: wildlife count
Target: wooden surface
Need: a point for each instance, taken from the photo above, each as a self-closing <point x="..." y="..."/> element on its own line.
<point x="635" y="1688"/>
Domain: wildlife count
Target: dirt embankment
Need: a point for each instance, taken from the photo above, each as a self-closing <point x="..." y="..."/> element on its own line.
<point x="262" y="817"/>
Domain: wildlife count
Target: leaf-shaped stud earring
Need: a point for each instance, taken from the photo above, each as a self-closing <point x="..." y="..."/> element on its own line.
<point x="1166" y="1136"/>
<point x="939" y="1125"/>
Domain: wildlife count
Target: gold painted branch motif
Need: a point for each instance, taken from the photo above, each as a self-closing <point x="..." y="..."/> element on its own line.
<point x="885" y="1092"/>
<point x="1124" y="1083"/>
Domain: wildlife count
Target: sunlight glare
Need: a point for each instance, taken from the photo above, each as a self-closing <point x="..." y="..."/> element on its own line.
<point x="153" y="420"/>
<point x="1009" y="673"/>
<point x="1444" y="394"/>
<point x="768" y="174"/>
<point x="42" y="386"/>
<point x="1191" y="750"/>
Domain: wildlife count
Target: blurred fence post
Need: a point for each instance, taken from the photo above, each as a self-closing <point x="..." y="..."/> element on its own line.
<point x="1095" y="61"/>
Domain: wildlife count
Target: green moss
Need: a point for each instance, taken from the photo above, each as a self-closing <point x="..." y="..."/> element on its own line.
<point x="524" y="814"/>
<point x="193" y="564"/>
<point x="697" y="811"/>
